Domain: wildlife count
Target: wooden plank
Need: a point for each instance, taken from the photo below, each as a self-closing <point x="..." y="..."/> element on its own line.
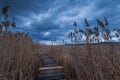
<point x="48" y="68"/>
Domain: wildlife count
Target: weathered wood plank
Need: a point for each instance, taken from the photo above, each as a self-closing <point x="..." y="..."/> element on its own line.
<point x="51" y="70"/>
<point x="48" y="68"/>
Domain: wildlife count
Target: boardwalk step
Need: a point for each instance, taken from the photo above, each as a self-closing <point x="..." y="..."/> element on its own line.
<point x="49" y="62"/>
<point x="53" y="75"/>
<point x="50" y="69"/>
<point x="50" y="65"/>
<point x="51" y="78"/>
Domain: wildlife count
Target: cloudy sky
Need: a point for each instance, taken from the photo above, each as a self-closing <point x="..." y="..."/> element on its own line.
<point x="48" y="20"/>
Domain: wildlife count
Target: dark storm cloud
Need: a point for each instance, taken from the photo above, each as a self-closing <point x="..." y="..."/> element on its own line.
<point x="48" y="36"/>
<point x="24" y="6"/>
<point x="47" y="25"/>
<point x="51" y="19"/>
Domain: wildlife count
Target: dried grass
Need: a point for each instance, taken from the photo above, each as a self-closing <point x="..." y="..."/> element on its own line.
<point x="18" y="59"/>
<point x="18" y="53"/>
<point x="89" y="62"/>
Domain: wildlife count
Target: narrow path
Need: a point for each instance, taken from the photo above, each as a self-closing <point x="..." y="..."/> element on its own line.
<point x="50" y="70"/>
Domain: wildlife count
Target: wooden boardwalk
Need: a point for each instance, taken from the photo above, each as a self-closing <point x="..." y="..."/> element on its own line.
<point x="50" y="70"/>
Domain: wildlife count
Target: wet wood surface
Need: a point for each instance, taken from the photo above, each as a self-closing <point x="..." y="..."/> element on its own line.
<point x="50" y="69"/>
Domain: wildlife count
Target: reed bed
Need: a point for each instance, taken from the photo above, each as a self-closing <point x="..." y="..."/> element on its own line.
<point x="18" y="53"/>
<point x="18" y="59"/>
<point x="89" y="62"/>
<point x="100" y="61"/>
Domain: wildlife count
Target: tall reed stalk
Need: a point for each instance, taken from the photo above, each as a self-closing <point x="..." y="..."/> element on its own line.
<point x="90" y="61"/>
<point x="18" y="59"/>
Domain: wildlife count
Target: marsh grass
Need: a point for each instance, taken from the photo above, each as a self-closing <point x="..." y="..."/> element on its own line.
<point x="102" y="62"/>
<point x="89" y="61"/>
<point x="18" y="53"/>
<point x="18" y="58"/>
